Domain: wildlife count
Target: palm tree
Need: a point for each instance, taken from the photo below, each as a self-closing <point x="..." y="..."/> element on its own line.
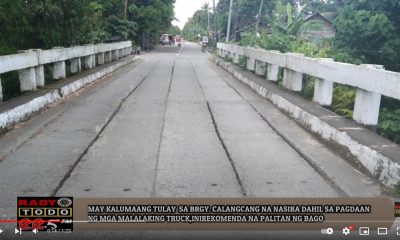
<point x="206" y="7"/>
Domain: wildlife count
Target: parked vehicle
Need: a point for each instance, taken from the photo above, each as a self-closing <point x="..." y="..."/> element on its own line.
<point x="165" y="39"/>
<point x="138" y="49"/>
<point x="179" y="40"/>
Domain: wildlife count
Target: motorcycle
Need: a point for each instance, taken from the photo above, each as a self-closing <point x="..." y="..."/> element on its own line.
<point x="203" y="47"/>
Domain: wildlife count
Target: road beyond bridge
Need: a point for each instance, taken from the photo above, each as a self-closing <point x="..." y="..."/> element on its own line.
<point x="171" y="124"/>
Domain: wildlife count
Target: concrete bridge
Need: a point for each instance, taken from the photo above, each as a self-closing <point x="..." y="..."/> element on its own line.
<point x="172" y="123"/>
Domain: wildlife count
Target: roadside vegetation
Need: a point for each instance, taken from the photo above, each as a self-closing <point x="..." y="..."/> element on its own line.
<point x="44" y="24"/>
<point x="366" y="32"/>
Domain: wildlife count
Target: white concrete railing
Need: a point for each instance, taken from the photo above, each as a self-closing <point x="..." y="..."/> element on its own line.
<point x="30" y="63"/>
<point x="371" y="81"/>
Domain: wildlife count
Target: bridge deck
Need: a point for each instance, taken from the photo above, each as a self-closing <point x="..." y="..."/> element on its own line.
<point x="170" y="125"/>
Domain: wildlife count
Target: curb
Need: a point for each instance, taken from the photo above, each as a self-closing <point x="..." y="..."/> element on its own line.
<point x="384" y="169"/>
<point x="20" y="113"/>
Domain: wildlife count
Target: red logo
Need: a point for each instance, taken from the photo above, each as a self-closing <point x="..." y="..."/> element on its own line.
<point x="36" y="203"/>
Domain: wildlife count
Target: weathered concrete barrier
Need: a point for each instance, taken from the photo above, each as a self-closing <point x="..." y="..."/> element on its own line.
<point x="381" y="158"/>
<point x="30" y="63"/>
<point x="371" y="81"/>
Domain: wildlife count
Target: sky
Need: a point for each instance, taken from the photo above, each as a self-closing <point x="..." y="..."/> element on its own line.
<point x="185" y="9"/>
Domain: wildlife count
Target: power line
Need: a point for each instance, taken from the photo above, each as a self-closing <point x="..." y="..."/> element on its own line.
<point x="249" y="26"/>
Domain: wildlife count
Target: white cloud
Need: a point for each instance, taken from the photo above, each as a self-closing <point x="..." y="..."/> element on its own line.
<point x="185" y="9"/>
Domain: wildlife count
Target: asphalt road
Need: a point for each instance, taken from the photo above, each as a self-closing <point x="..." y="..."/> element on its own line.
<point x="171" y="124"/>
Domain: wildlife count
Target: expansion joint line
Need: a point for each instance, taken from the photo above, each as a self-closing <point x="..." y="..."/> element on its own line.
<point x="33" y="135"/>
<point x="109" y="120"/>
<point x="153" y="191"/>
<point x="221" y="140"/>
<point x="307" y="158"/>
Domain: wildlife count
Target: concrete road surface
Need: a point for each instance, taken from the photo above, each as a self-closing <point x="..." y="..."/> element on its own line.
<point x="171" y="124"/>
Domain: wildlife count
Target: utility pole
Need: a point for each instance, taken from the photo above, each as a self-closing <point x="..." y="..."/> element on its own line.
<point x="215" y="22"/>
<point x="125" y="9"/>
<point x="196" y="23"/>
<point x="208" y="15"/>
<point x="148" y="39"/>
<point x="229" y="22"/>
<point x="259" y="15"/>
<point x="143" y="44"/>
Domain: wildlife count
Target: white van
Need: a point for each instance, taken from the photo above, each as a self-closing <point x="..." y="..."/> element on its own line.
<point x="165" y="39"/>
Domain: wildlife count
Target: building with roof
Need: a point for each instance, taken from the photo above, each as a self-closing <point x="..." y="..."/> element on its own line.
<point x="318" y="26"/>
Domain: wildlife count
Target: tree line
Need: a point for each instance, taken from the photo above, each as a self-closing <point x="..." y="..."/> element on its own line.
<point x="26" y="24"/>
<point x="366" y="31"/>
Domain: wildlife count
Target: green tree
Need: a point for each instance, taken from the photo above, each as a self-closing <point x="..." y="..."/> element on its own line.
<point x="13" y="26"/>
<point x="47" y="23"/>
<point x="153" y="18"/>
<point x="370" y="30"/>
<point x="26" y="24"/>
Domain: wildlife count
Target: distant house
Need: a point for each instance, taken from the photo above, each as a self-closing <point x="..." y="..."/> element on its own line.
<point x="318" y="26"/>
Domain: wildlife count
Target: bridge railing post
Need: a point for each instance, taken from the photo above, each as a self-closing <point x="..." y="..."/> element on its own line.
<point x="236" y="58"/>
<point x="89" y="62"/>
<point x="27" y="79"/>
<point x="260" y="68"/>
<point x="39" y="70"/>
<point x="273" y="72"/>
<point x="27" y="76"/>
<point x="367" y="104"/>
<point x="76" y="65"/>
<point x="323" y="89"/>
<point x="107" y="57"/>
<point x="250" y="63"/>
<point x="100" y="58"/>
<point x="114" y="55"/>
<point x="366" y="108"/>
<point x="273" y="69"/>
<point x="231" y="55"/>
<point x="59" y="71"/>
<point x="293" y="80"/>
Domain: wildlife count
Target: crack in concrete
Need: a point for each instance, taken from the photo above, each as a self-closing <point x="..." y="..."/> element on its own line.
<point x="115" y="112"/>
<point x="53" y="119"/>
<point x="302" y="154"/>
<point x="227" y="153"/>
<point x="153" y="191"/>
